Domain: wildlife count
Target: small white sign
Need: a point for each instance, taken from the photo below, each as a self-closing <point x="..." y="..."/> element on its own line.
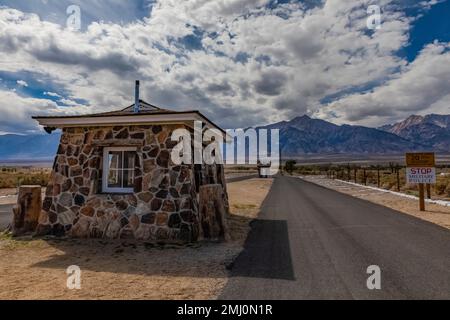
<point x="421" y="175"/>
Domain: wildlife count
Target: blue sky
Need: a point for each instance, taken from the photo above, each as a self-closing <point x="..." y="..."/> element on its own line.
<point x="434" y="24"/>
<point x="242" y="63"/>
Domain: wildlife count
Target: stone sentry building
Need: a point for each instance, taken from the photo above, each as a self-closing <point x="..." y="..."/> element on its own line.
<point x="113" y="176"/>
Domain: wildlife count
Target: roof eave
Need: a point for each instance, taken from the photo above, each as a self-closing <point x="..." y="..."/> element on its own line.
<point x="131" y="119"/>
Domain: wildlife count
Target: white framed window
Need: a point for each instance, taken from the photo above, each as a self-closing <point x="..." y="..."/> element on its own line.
<point x="118" y="169"/>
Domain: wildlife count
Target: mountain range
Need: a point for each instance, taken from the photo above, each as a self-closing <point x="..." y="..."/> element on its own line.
<point x="431" y="130"/>
<point x="305" y="136"/>
<point x="298" y="137"/>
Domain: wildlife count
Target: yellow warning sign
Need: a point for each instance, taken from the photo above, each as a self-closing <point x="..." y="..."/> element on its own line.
<point x="421" y="160"/>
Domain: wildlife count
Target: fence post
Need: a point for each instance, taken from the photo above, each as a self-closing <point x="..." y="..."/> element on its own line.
<point x="378" y="177"/>
<point x="428" y="191"/>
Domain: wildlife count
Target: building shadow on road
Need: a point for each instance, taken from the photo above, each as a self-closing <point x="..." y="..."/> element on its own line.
<point x="266" y="253"/>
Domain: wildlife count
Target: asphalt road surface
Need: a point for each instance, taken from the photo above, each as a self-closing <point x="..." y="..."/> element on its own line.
<point x="242" y="178"/>
<point x="5" y="216"/>
<point x="315" y="243"/>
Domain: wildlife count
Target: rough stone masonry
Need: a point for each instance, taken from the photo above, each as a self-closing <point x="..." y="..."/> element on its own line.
<point x="164" y="203"/>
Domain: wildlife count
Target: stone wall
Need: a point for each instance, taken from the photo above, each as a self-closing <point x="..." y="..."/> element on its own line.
<point x="163" y="207"/>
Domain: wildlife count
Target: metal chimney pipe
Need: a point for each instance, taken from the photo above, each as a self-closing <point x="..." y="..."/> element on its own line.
<point x="136" y="98"/>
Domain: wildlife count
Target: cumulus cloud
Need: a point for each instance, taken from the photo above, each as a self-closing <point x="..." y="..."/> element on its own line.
<point x="18" y="110"/>
<point x="22" y="83"/>
<point x="240" y="62"/>
<point x="52" y="94"/>
<point x="419" y="88"/>
<point x="271" y="83"/>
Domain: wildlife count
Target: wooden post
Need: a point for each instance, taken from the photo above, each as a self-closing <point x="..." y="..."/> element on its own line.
<point x="365" y="177"/>
<point x="398" y="179"/>
<point x="428" y="191"/>
<point x="378" y="177"/>
<point x="422" y="196"/>
<point x="27" y="210"/>
<point x="356" y="175"/>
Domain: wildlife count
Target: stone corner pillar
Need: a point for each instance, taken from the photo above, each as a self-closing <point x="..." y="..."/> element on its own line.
<point x="213" y="213"/>
<point x="27" y="210"/>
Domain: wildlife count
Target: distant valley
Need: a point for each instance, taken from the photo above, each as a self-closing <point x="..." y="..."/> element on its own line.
<point x="31" y="147"/>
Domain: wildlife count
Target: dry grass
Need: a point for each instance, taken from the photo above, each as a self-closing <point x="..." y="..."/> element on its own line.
<point x="12" y="177"/>
<point x="388" y="178"/>
<point x="36" y="269"/>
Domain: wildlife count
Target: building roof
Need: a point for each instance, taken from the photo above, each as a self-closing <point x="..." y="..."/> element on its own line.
<point x="148" y="114"/>
<point x="144" y="107"/>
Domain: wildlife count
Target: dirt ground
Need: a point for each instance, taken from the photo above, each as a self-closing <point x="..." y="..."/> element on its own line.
<point x="9" y="195"/>
<point x="36" y="269"/>
<point x="434" y="213"/>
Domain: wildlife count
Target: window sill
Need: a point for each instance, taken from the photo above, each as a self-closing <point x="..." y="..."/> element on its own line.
<point x="106" y="193"/>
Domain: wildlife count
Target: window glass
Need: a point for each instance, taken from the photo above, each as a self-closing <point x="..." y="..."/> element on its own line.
<point x="129" y="158"/>
<point x="128" y="178"/>
<point x="114" y="178"/>
<point x="119" y="170"/>
<point x="115" y="159"/>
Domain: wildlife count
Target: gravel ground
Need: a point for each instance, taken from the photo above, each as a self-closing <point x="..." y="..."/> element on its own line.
<point x="36" y="269"/>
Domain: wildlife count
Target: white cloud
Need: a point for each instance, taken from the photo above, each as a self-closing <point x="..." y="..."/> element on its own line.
<point x="17" y="111"/>
<point x="420" y="88"/>
<point x="68" y="102"/>
<point x="22" y="83"/>
<point x="52" y="94"/>
<point x="255" y="65"/>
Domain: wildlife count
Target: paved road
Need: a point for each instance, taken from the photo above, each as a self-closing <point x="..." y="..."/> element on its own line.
<point x="242" y="178"/>
<point x="5" y="215"/>
<point x="315" y="243"/>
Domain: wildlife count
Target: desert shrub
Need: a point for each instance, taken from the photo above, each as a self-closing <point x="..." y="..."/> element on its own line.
<point x="304" y="170"/>
<point x="412" y="187"/>
<point x="14" y="178"/>
<point x="242" y="168"/>
<point x="447" y="190"/>
<point x="440" y="187"/>
<point x="290" y="166"/>
<point x="389" y="185"/>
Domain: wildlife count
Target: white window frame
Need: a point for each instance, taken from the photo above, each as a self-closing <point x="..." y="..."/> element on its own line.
<point x="105" y="188"/>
